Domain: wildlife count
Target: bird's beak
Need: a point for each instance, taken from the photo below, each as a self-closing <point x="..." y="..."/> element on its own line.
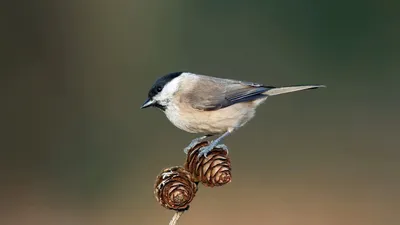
<point x="149" y="102"/>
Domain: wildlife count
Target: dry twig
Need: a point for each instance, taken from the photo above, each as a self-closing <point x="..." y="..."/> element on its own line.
<point x="176" y="217"/>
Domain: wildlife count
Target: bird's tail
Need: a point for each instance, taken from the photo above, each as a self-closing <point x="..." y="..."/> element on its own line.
<point x="284" y="90"/>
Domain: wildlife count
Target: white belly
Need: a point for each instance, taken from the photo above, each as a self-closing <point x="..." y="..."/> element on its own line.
<point x="211" y="122"/>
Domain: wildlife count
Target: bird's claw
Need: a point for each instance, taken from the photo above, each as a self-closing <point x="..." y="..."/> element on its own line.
<point x="192" y="144"/>
<point x="223" y="147"/>
<point x="207" y="149"/>
<point x="204" y="151"/>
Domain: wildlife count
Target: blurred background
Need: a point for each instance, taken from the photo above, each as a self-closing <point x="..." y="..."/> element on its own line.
<point x="76" y="149"/>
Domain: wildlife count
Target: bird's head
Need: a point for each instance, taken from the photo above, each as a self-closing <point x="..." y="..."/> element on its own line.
<point x="162" y="91"/>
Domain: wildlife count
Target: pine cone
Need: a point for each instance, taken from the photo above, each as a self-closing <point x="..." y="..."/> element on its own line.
<point x="214" y="170"/>
<point x="174" y="188"/>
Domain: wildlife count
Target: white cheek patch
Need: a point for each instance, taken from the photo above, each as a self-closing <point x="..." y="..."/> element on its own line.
<point x="171" y="87"/>
<point x="169" y="90"/>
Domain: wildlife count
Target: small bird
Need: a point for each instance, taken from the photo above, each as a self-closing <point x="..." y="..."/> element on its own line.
<point x="210" y="105"/>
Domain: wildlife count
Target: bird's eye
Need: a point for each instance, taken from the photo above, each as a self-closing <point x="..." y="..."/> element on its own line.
<point x="159" y="89"/>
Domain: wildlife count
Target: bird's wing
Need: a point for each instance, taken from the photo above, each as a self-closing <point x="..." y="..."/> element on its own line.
<point x="219" y="93"/>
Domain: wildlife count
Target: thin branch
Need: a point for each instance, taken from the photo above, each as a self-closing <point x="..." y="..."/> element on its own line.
<point x="176" y="217"/>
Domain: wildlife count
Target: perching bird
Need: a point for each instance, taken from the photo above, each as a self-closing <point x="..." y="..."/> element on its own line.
<point x="210" y="105"/>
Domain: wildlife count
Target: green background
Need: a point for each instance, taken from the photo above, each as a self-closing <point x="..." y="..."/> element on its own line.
<point x="76" y="148"/>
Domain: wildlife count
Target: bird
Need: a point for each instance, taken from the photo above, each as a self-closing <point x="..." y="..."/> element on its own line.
<point x="209" y="105"/>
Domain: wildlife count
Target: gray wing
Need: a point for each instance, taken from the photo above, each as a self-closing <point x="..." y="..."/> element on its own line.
<point x="217" y="93"/>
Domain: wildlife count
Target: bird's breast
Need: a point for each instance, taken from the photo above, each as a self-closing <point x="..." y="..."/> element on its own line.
<point x="209" y="122"/>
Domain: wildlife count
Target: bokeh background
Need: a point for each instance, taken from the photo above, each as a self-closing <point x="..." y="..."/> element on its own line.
<point x="76" y="149"/>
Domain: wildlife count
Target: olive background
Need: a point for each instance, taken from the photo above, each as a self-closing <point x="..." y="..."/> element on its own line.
<point x="76" y="148"/>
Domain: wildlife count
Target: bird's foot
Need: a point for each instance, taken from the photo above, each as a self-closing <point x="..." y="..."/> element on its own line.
<point x="193" y="144"/>
<point x="206" y="149"/>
